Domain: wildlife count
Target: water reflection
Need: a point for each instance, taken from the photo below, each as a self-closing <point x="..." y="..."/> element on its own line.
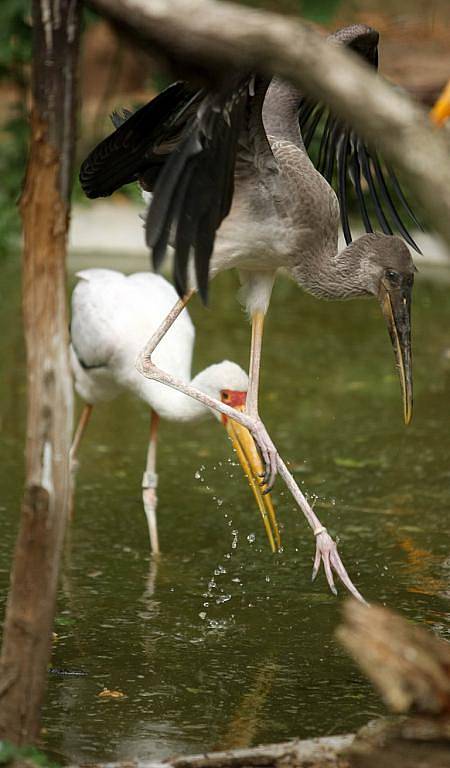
<point x="259" y="662"/>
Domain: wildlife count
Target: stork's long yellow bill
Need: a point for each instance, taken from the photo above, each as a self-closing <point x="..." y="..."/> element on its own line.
<point x="251" y="463"/>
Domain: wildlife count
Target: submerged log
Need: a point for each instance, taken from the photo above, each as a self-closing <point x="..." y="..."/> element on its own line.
<point x="308" y="753"/>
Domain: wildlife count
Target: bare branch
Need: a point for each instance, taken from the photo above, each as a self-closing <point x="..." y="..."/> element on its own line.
<point x="217" y="35"/>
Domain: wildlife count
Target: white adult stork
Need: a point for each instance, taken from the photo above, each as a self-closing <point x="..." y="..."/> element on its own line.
<point x="112" y="315"/>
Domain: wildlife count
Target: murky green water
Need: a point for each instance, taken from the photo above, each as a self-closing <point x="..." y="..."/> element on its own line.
<point x="215" y="646"/>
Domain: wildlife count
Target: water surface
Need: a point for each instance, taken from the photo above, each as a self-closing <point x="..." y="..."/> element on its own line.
<point x="219" y="643"/>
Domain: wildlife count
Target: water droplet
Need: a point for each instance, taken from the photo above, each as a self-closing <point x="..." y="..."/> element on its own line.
<point x="219" y="502"/>
<point x="236" y="580"/>
<point x="220" y="569"/>
<point x="251" y="538"/>
<point x="202" y="615"/>
<point x="234" y="542"/>
<point x="267" y="578"/>
<point x="223" y="599"/>
<point x="197" y="475"/>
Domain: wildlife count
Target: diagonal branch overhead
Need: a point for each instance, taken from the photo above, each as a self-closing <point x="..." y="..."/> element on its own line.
<point x="212" y="35"/>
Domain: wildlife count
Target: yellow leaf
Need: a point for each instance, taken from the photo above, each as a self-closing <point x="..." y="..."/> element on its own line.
<point x="107" y="694"/>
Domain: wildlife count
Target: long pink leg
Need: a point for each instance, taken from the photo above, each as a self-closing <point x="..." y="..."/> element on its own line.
<point x="326" y="549"/>
<point x="150" y="483"/>
<point x="79" y="432"/>
<point x="86" y="414"/>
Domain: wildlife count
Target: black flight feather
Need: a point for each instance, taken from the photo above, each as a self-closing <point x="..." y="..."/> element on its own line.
<point x="399" y="192"/>
<point x="127" y="153"/>
<point x="342" y="186"/>
<point x="356" y="178"/>
<point x="390" y="204"/>
<point x="194" y="190"/>
<point x="354" y="157"/>
<point x="367" y="172"/>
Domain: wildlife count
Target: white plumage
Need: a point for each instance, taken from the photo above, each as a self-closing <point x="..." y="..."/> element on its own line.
<point x="112" y="317"/>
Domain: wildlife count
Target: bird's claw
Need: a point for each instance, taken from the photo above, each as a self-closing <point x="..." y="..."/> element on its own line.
<point x="327" y="553"/>
<point x="269" y="455"/>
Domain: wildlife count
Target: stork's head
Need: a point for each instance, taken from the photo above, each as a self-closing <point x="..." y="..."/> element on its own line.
<point x="387" y="271"/>
<point x="228" y="382"/>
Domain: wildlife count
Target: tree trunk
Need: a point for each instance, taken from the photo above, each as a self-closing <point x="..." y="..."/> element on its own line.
<point x="45" y="214"/>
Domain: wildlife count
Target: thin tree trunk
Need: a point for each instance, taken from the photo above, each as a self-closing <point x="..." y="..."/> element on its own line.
<point x="45" y="214"/>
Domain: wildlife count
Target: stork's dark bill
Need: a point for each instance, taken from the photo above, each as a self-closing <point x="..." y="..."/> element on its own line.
<point x="395" y="300"/>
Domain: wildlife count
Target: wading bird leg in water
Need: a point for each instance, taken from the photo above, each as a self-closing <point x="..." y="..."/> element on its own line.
<point x="82" y="424"/>
<point x="86" y="414"/>
<point x="255" y="364"/>
<point x="326" y="549"/>
<point x="150" y="483"/>
<point x="263" y="440"/>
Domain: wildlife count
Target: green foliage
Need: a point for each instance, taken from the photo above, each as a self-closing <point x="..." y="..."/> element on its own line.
<point x="9" y="754"/>
<point x="12" y="167"/>
<point x="15" y="56"/>
<point x="15" y="41"/>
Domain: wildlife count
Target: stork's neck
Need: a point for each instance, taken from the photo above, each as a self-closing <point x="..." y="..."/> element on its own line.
<point x="169" y="403"/>
<point x="329" y="274"/>
<point x="280" y="112"/>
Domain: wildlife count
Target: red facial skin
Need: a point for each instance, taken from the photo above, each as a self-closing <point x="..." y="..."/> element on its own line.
<point x="233" y="398"/>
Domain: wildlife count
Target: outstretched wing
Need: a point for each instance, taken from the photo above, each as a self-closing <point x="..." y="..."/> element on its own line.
<point x="183" y="146"/>
<point x="141" y="143"/>
<point x="194" y="191"/>
<point x="348" y="163"/>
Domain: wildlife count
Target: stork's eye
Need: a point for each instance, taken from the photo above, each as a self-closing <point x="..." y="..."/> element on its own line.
<point x="392" y="276"/>
<point x="225" y="396"/>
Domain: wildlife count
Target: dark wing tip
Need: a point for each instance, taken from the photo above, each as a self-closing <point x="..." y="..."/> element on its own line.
<point x="359" y="38"/>
<point x="119" y="117"/>
<point x="354" y="158"/>
<point x="126" y="153"/>
<point x="194" y="191"/>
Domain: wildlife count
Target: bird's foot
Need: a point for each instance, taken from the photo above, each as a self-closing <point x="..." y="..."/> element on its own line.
<point x="269" y="454"/>
<point x="327" y="553"/>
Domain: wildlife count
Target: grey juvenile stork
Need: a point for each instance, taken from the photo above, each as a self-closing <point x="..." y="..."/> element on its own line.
<point x="233" y="186"/>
